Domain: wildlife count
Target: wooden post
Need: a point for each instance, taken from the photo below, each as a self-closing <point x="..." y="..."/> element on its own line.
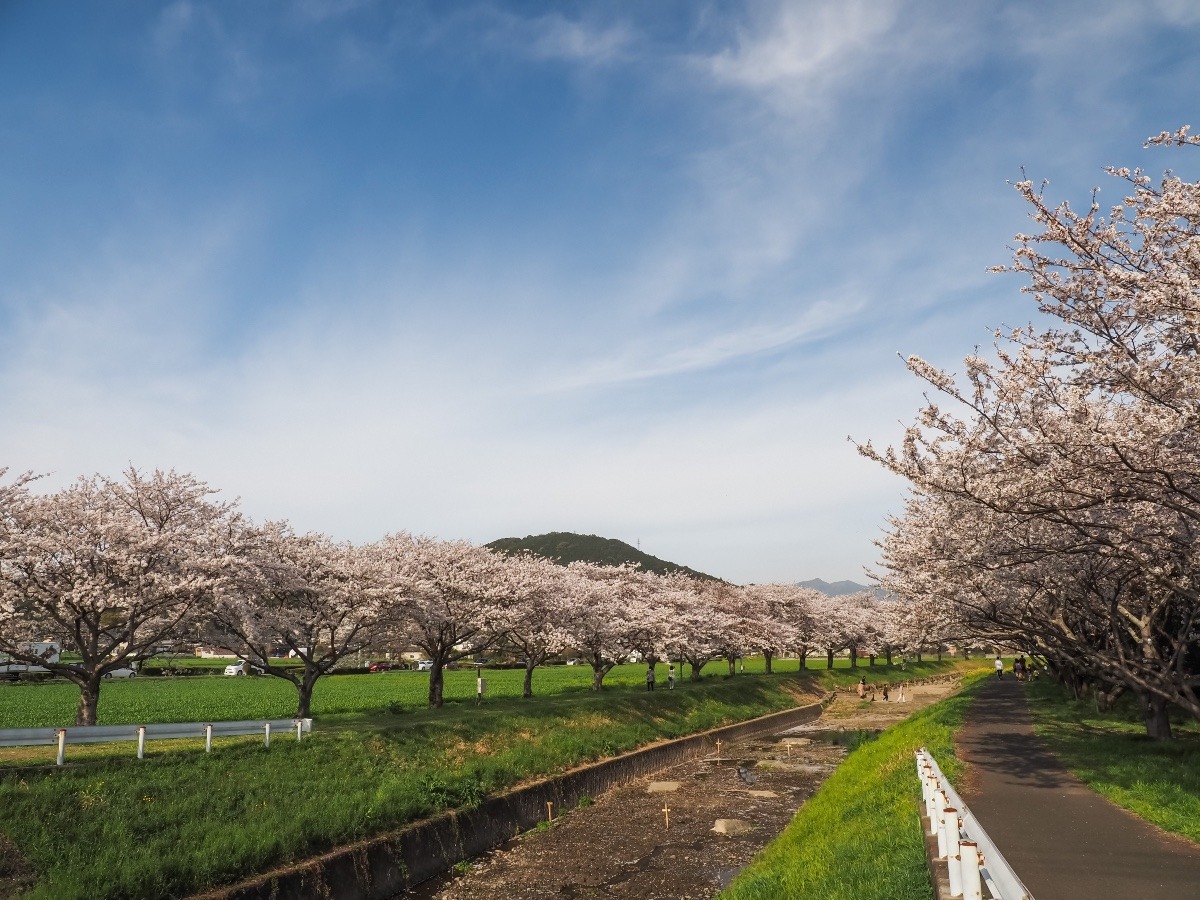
<point x="549" y="811"/>
<point x="666" y="817"/>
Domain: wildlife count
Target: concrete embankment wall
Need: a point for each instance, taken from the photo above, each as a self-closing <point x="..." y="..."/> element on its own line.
<point x="381" y="867"/>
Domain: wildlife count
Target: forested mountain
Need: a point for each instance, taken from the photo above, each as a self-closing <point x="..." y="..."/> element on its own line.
<point x="836" y="588"/>
<point x="565" y="547"/>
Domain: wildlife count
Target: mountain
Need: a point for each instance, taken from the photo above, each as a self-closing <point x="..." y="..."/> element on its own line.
<point x="837" y="588"/>
<point x="566" y="547"/>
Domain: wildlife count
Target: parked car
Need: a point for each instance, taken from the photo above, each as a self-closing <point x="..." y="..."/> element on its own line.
<point x="574" y="662"/>
<point x="242" y="667"/>
<point x="424" y="665"/>
<point x="123" y="672"/>
<point x="380" y="667"/>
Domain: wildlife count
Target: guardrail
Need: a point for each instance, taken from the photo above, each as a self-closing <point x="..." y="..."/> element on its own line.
<point x="972" y="860"/>
<point x="107" y="734"/>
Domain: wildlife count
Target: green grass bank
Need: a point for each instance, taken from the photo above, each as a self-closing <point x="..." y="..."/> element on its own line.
<point x="1157" y="780"/>
<point x="859" y="837"/>
<point x="182" y="820"/>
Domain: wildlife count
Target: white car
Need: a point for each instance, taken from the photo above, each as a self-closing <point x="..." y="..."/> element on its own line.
<point x="123" y="672"/>
<point x="237" y="668"/>
<point x="424" y="665"/>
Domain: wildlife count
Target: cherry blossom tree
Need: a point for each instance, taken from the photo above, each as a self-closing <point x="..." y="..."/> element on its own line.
<point x="316" y="599"/>
<point x="533" y="621"/>
<point x="1059" y="490"/>
<point x="113" y="567"/>
<point x="601" y="605"/>
<point x="446" y="597"/>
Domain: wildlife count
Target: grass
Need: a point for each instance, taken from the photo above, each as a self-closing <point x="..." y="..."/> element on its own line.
<point x="182" y="820"/>
<point x="859" y="837"/>
<point x="1157" y="780"/>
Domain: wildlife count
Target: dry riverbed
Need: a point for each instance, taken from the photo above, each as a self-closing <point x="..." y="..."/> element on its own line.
<point x="684" y="832"/>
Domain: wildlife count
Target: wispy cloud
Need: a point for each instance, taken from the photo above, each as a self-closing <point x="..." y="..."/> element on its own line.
<point x="664" y="356"/>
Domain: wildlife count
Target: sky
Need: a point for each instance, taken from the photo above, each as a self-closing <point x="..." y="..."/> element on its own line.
<point x="488" y="269"/>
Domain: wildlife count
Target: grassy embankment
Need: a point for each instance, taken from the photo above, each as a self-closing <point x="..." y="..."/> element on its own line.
<point x="1159" y="781"/>
<point x="859" y="836"/>
<point x="183" y="820"/>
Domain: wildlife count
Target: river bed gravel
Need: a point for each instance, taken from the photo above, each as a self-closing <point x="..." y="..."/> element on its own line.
<point x="624" y="845"/>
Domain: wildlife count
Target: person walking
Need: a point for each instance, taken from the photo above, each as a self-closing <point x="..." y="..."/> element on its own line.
<point x="862" y="689"/>
<point x="671" y="676"/>
<point x="999" y="667"/>
<point x="650" y="678"/>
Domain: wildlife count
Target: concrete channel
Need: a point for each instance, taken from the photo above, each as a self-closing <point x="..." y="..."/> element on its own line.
<point x="383" y="866"/>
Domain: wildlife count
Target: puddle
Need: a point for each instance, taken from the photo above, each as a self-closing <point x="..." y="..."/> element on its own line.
<point x="725" y="876"/>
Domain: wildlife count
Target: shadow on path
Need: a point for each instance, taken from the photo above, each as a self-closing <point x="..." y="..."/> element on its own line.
<point x="1063" y="840"/>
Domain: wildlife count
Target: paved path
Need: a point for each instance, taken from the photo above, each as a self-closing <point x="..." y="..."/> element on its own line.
<point x="1064" y="840"/>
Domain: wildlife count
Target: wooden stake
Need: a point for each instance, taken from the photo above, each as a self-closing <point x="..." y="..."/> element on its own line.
<point x="718" y="749"/>
<point x="549" y="811"/>
<point x="667" y="817"/>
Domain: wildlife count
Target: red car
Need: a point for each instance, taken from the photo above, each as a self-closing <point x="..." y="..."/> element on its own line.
<point x="380" y="667"/>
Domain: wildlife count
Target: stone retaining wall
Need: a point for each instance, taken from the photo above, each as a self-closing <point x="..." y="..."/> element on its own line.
<point x="381" y="867"/>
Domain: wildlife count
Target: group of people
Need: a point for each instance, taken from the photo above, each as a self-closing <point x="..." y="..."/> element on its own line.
<point x="1021" y="668"/>
<point x="864" y="689"/>
<point x="650" y="678"/>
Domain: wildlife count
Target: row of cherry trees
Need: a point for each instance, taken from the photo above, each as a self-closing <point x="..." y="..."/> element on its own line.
<point x="118" y="568"/>
<point x="1055" y="502"/>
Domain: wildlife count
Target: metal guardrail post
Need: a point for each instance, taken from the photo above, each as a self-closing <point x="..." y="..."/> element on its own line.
<point x="62" y="745"/>
<point x="141" y="741"/>
<point x="953" y="851"/>
<point x="267" y="735"/>
<point x="208" y="738"/>
<point x="299" y="729"/>
<point x="969" y="868"/>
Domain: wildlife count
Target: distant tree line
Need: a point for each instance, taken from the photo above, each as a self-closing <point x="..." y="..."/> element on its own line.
<point x="119" y="567"/>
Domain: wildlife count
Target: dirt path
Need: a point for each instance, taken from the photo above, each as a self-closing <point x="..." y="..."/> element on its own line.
<point x="620" y="845"/>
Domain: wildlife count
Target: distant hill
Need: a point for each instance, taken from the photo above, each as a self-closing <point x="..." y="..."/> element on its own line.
<point x="837" y="588"/>
<point x="566" y="547"/>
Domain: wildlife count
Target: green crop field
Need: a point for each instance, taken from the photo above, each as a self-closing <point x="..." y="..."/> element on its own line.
<point x="207" y="699"/>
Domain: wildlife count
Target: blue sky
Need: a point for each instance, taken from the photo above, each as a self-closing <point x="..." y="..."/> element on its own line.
<point x="489" y="269"/>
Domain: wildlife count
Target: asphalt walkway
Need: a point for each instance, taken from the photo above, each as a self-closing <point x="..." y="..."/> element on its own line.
<point x="1063" y="840"/>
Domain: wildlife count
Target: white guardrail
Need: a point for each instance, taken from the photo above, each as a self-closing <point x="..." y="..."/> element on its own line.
<point x="970" y="856"/>
<point x="107" y="734"/>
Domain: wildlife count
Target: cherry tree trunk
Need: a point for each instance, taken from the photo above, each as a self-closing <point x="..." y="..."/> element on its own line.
<point x="871" y="659"/>
<point x="89" y="699"/>
<point x="696" y="669"/>
<point x="854" y="657"/>
<point x="732" y="660"/>
<point x="829" y="659"/>
<point x="527" y="686"/>
<point x="918" y="656"/>
<point x="304" y="690"/>
<point x="436" y="682"/>
<point x="769" y="657"/>
<point x="1158" y="720"/>
<point x="803" y="660"/>
<point x="887" y="654"/>
<point x="598" y="673"/>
